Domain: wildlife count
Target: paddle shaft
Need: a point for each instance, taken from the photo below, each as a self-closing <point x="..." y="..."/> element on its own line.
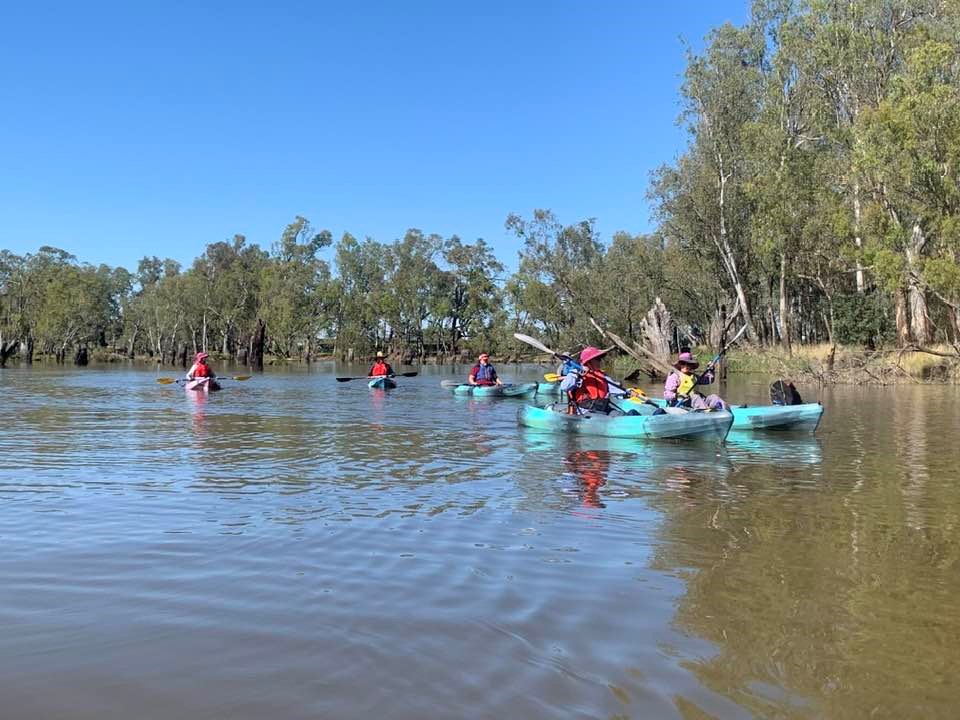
<point x="371" y="377"/>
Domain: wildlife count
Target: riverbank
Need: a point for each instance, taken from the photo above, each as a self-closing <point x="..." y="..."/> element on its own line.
<point x="838" y="365"/>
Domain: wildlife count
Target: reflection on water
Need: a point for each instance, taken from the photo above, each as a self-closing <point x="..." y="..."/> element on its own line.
<point x="294" y="547"/>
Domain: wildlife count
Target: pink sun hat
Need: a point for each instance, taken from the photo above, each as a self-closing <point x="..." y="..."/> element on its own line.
<point x="688" y="359"/>
<point x="590" y="352"/>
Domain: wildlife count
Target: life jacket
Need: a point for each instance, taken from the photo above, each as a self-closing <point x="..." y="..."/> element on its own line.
<point x="484" y="374"/>
<point x="201" y="370"/>
<point x="687" y="383"/>
<point x="593" y="386"/>
<point x="379" y="369"/>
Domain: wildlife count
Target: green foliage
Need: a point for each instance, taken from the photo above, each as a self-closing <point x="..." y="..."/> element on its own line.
<point x="863" y="320"/>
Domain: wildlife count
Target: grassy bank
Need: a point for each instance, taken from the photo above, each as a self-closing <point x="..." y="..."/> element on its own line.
<point x="845" y="365"/>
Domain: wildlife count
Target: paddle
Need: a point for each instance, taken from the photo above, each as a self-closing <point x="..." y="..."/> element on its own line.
<point x="218" y="378"/>
<point x="371" y="377"/>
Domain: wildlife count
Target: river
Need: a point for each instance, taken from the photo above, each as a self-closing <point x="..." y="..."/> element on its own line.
<point x="293" y="547"/>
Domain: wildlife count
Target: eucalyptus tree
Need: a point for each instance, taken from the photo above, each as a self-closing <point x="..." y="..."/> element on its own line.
<point x="295" y="292"/>
<point x="472" y="294"/>
<point x="359" y="290"/>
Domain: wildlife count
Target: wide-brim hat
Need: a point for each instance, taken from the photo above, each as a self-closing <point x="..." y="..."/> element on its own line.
<point x="688" y="359"/>
<point x="379" y="353"/>
<point x="590" y="353"/>
<point x="201" y="356"/>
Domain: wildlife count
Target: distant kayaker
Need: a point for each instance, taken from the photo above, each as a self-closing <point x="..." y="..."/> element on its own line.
<point x="483" y="372"/>
<point x="200" y="368"/>
<point x="381" y="368"/>
<point x="587" y="388"/>
<point x="680" y="388"/>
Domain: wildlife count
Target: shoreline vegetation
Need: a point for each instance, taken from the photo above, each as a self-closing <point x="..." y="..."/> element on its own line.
<point x="817" y="203"/>
<point x="807" y="364"/>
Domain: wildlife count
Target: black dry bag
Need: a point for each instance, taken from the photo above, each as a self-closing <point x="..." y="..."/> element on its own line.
<point x="782" y="392"/>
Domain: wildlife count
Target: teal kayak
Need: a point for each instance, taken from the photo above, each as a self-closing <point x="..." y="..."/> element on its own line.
<point x="382" y="383"/>
<point x="509" y="390"/>
<point x="548" y="388"/>
<point x="804" y="417"/>
<point x="707" y="425"/>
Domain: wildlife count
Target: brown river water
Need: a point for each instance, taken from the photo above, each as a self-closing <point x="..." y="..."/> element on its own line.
<point x="293" y="547"/>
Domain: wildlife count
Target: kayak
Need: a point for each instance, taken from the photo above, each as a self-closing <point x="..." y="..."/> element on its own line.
<point x="508" y="390"/>
<point x="202" y="385"/>
<point x="768" y="417"/>
<point x="777" y="417"/>
<point x="708" y="425"/>
<point x="382" y="383"/>
<point x="548" y="388"/>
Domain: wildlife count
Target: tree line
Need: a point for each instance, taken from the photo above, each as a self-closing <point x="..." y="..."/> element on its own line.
<point x="817" y="199"/>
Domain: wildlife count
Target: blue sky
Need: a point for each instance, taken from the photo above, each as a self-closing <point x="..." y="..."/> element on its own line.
<point x="131" y="129"/>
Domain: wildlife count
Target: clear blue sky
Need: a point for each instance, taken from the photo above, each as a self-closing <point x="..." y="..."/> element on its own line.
<point x="132" y="128"/>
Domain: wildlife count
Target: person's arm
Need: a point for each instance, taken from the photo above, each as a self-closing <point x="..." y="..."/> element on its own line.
<point x="472" y="380"/>
<point x="191" y="371"/>
<point x="670" y="387"/>
<point x="496" y="378"/>
<point x="706" y="378"/>
<point x="390" y="372"/>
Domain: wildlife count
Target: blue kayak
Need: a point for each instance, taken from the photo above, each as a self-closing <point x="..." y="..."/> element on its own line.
<point x="507" y="390"/>
<point x="382" y="383"/>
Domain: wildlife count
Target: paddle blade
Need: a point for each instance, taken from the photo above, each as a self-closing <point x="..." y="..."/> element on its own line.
<point x="533" y="342"/>
<point x="166" y="381"/>
<point x="450" y="384"/>
<point x="241" y="378"/>
<point x="344" y="379"/>
<point x="552" y="377"/>
<point x="410" y="374"/>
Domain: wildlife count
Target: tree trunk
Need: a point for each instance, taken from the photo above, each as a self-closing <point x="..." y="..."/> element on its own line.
<point x="784" y="307"/>
<point x="26" y="350"/>
<point x="256" y="345"/>
<point x="902" y="317"/>
<point x="921" y="330"/>
<point x="80" y="357"/>
<point x="857" y="240"/>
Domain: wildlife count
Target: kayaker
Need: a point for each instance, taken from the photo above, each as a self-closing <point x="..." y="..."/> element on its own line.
<point x="483" y="373"/>
<point x="200" y="368"/>
<point x="587" y="388"/>
<point x="381" y="368"/>
<point x="679" y="390"/>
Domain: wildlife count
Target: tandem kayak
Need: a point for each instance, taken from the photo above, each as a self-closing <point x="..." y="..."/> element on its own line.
<point x="509" y="390"/>
<point x="708" y="425"/>
<point x="805" y="417"/>
<point x="202" y="385"/>
<point x="382" y="383"/>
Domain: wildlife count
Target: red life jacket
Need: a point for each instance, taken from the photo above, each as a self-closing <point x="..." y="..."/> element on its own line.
<point x="380" y="369"/>
<point x="592" y="387"/>
<point x="201" y="370"/>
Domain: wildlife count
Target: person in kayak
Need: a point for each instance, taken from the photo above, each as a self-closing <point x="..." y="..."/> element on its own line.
<point x="381" y="368"/>
<point x="679" y="390"/>
<point x="586" y="388"/>
<point x="200" y="368"/>
<point x="483" y="373"/>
